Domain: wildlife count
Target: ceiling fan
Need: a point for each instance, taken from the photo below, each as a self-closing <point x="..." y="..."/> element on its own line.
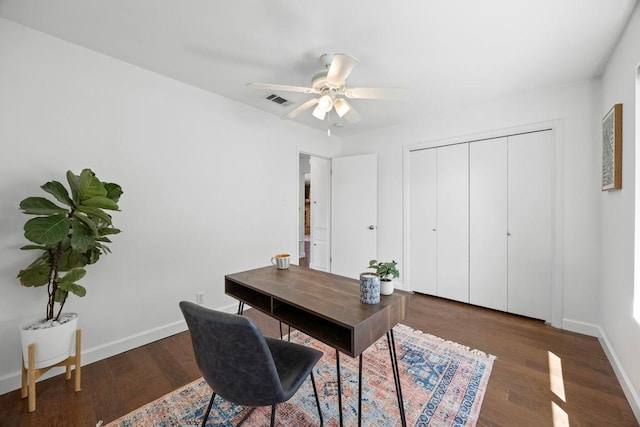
<point x="330" y="85"/>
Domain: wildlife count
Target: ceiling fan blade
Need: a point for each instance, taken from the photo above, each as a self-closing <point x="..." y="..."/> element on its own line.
<point x="352" y="116"/>
<point x="376" y="93"/>
<point x="340" y="68"/>
<point x="299" y="109"/>
<point x="286" y="88"/>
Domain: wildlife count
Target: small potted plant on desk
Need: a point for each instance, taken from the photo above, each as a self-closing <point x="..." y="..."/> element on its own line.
<point x="67" y="236"/>
<point x="387" y="272"/>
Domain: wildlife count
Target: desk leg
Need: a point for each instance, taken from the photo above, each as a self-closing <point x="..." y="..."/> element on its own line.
<point x="288" y="336"/>
<point x="396" y="375"/>
<point x="240" y="307"/>
<point x="339" y="386"/>
<point x="360" y="391"/>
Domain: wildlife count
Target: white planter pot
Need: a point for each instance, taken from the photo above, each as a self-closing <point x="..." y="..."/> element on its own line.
<point x="386" y="287"/>
<point x="52" y="344"/>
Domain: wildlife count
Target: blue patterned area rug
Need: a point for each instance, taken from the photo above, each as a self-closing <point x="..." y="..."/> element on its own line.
<point x="443" y="384"/>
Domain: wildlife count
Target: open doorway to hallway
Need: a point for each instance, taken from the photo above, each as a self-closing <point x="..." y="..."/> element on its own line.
<point x="305" y="211"/>
<point x="314" y="180"/>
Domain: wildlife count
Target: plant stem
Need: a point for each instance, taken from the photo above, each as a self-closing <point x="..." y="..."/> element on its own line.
<point x="53" y="284"/>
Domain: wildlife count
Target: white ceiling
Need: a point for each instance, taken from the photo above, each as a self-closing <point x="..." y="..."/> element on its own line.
<point x="449" y="53"/>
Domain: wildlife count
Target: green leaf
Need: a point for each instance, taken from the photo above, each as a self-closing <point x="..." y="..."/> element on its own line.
<point x="72" y="275"/>
<point x="102" y="248"/>
<point x="47" y="230"/>
<point x="74" y="184"/>
<point x="74" y="288"/>
<point x="34" y="276"/>
<point x="58" y="191"/>
<point x="82" y="237"/>
<point x="61" y="295"/>
<point x="100" y="202"/>
<point x="114" y="191"/>
<point x="40" y="206"/>
<point x="32" y="247"/>
<point x="71" y="259"/>
<point x="88" y="222"/>
<point x="42" y="259"/>
<point x="90" y="186"/>
<point x="107" y="231"/>
<point x="97" y="212"/>
<point x="94" y="255"/>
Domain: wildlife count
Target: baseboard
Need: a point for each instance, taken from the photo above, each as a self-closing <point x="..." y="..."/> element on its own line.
<point x="596" y="331"/>
<point x="581" y="327"/>
<point x="12" y="381"/>
<point x="630" y="393"/>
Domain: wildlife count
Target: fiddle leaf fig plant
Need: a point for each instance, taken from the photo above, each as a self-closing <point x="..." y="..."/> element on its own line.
<point x="386" y="270"/>
<point x="69" y="235"/>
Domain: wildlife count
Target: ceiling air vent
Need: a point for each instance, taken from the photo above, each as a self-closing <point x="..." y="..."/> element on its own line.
<point x="278" y="100"/>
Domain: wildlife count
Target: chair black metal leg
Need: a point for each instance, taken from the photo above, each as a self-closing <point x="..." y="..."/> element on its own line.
<point x="360" y="391"/>
<point x="240" y="307"/>
<point x="315" y="391"/>
<point x="396" y="375"/>
<point x="339" y="386"/>
<point x="206" y="414"/>
<point x="273" y="415"/>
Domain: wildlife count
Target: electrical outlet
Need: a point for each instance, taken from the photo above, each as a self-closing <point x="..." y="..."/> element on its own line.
<point x="200" y="298"/>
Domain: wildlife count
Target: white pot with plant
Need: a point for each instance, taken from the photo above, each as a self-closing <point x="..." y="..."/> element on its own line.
<point x="387" y="272"/>
<point x="67" y="238"/>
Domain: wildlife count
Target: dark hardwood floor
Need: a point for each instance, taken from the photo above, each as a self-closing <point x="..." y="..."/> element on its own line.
<point x="518" y="394"/>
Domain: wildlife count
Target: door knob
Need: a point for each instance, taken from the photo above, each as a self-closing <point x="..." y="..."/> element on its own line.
<point x="371" y="227"/>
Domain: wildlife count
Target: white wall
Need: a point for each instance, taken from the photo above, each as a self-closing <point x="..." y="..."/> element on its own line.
<point x="570" y="106"/>
<point x="597" y="229"/>
<point x="210" y="187"/>
<point x="621" y="329"/>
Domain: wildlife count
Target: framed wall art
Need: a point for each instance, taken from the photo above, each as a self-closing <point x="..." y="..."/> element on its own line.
<point x="612" y="149"/>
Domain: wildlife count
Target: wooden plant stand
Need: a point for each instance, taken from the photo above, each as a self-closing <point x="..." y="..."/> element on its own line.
<point x="31" y="374"/>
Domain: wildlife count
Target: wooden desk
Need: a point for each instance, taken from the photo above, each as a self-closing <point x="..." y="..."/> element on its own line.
<point x="326" y="307"/>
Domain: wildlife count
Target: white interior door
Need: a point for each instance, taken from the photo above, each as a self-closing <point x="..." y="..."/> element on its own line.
<point x="421" y="276"/>
<point x="488" y="223"/>
<point x="530" y="224"/>
<point x="453" y="222"/>
<point x="320" y="246"/>
<point x="354" y="213"/>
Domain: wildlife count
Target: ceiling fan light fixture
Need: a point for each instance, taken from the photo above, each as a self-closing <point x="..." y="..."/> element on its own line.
<point x="325" y="103"/>
<point x="341" y="106"/>
<point x="319" y="113"/>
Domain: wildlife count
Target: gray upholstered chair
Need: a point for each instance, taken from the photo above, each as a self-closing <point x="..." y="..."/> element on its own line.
<point x="243" y="366"/>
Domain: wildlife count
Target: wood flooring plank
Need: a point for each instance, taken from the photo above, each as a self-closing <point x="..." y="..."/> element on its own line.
<point x="518" y="393"/>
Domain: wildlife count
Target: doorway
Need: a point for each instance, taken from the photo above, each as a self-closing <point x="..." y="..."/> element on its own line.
<point x="304" y="237"/>
<point x="314" y="212"/>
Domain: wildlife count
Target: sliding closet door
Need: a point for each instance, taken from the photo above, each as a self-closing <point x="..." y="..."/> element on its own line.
<point x="453" y="222"/>
<point x="422" y="221"/>
<point x="530" y="224"/>
<point x="488" y="223"/>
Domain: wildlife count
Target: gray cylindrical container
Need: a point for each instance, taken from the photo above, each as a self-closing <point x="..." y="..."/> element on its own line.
<point x="370" y="288"/>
